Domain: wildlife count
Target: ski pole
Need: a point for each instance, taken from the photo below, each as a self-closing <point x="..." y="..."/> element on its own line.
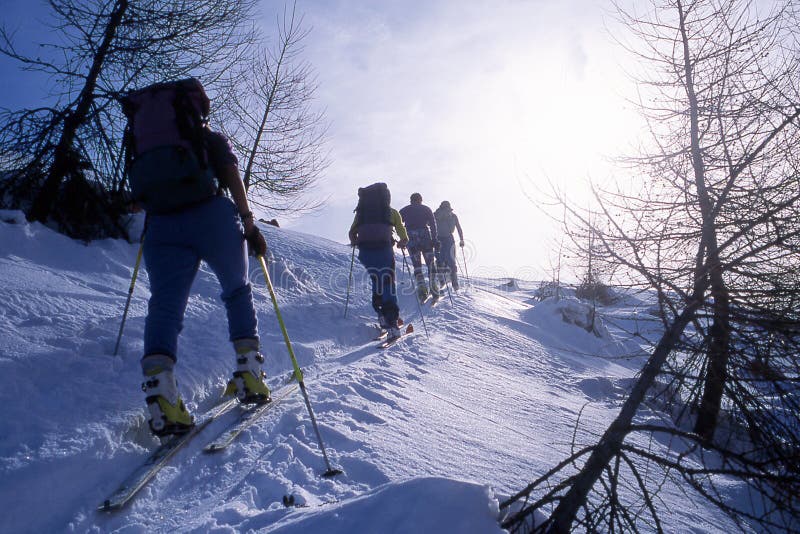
<point x="449" y="293"/>
<point x="411" y="282"/>
<point x="421" y="316"/>
<point x="437" y="273"/>
<point x="349" y="281"/>
<point x="466" y="272"/>
<point x="298" y="374"/>
<point x="130" y="293"/>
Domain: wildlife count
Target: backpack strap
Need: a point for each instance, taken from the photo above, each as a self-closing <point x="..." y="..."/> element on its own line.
<point x="190" y="124"/>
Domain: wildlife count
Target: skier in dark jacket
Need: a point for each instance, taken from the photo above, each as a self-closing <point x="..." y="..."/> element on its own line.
<point x="371" y="232"/>
<point x="421" y="226"/>
<point x="214" y="230"/>
<point x="446" y="222"/>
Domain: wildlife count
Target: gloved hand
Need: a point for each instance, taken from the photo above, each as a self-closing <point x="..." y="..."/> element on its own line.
<point x="256" y="242"/>
<point x="461" y="243"/>
<point x="403" y="243"/>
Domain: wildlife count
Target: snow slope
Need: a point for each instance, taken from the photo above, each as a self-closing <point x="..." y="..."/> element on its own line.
<point x="431" y="434"/>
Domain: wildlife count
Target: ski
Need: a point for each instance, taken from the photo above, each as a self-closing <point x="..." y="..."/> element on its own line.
<point x="389" y="342"/>
<point x="382" y="333"/>
<point x="158" y="459"/>
<point x="246" y="418"/>
<point x="435" y="300"/>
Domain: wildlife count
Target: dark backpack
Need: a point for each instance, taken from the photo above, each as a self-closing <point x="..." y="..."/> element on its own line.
<point x="166" y="160"/>
<point x="374" y="216"/>
<point x="374" y="204"/>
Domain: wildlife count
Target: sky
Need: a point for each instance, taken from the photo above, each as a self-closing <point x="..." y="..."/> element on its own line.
<point x="490" y="391"/>
<point x="481" y="103"/>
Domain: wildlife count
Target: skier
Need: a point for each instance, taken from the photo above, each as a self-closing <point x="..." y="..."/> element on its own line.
<point x="421" y="226"/>
<point x="212" y="228"/>
<point x="446" y="222"/>
<point x="371" y="232"/>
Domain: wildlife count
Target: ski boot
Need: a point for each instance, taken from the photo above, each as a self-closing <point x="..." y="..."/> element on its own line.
<point x="393" y="333"/>
<point x="168" y="414"/>
<point x="442" y="281"/>
<point x="422" y="292"/>
<point x="383" y="326"/>
<point x="436" y="290"/>
<point x="248" y="380"/>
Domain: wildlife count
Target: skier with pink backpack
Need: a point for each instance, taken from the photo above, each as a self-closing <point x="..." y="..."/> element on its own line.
<point x="177" y="169"/>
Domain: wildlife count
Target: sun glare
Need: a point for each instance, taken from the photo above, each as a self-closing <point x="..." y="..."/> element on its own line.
<point x="541" y="121"/>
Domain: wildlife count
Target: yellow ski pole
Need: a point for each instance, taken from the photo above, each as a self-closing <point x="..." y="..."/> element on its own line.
<point x="298" y="374"/>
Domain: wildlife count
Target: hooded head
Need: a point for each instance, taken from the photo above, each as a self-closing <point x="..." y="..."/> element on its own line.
<point x="416" y="198"/>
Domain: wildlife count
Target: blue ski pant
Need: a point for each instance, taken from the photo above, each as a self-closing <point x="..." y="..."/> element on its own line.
<point x="446" y="257"/>
<point x="174" y="246"/>
<point x="380" y="266"/>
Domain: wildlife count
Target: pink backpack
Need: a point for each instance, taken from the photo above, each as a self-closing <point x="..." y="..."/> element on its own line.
<point x="166" y="159"/>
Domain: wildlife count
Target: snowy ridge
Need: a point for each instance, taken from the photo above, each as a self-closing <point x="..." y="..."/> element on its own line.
<point x="431" y="433"/>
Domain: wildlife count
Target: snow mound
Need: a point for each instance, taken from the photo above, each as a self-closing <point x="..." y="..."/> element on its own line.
<point x="571" y="311"/>
<point x="12" y="216"/>
<point x="419" y="505"/>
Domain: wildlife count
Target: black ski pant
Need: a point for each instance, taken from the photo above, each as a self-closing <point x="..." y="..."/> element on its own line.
<point x="446" y="260"/>
<point x="417" y="254"/>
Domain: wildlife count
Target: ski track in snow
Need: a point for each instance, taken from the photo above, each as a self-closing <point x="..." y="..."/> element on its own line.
<point x="430" y="433"/>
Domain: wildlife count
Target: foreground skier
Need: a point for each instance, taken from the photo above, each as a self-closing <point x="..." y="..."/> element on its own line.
<point x="177" y="169"/>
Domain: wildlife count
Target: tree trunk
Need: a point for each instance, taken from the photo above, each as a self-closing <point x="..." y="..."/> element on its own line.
<point x="64" y="159"/>
<point x="717" y="357"/>
<point x="611" y="443"/>
<point x="263" y="126"/>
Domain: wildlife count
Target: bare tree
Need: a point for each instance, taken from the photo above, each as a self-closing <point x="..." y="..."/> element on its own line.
<point x="102" y="48"/>
<point x="591" y="286"/>
<point x="713" y="230"/>
<point x="273" y="125"/>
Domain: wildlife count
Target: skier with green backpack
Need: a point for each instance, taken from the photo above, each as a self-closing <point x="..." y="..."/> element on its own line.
<point x="371" y="232"/>
<point x="177" y="169"/>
